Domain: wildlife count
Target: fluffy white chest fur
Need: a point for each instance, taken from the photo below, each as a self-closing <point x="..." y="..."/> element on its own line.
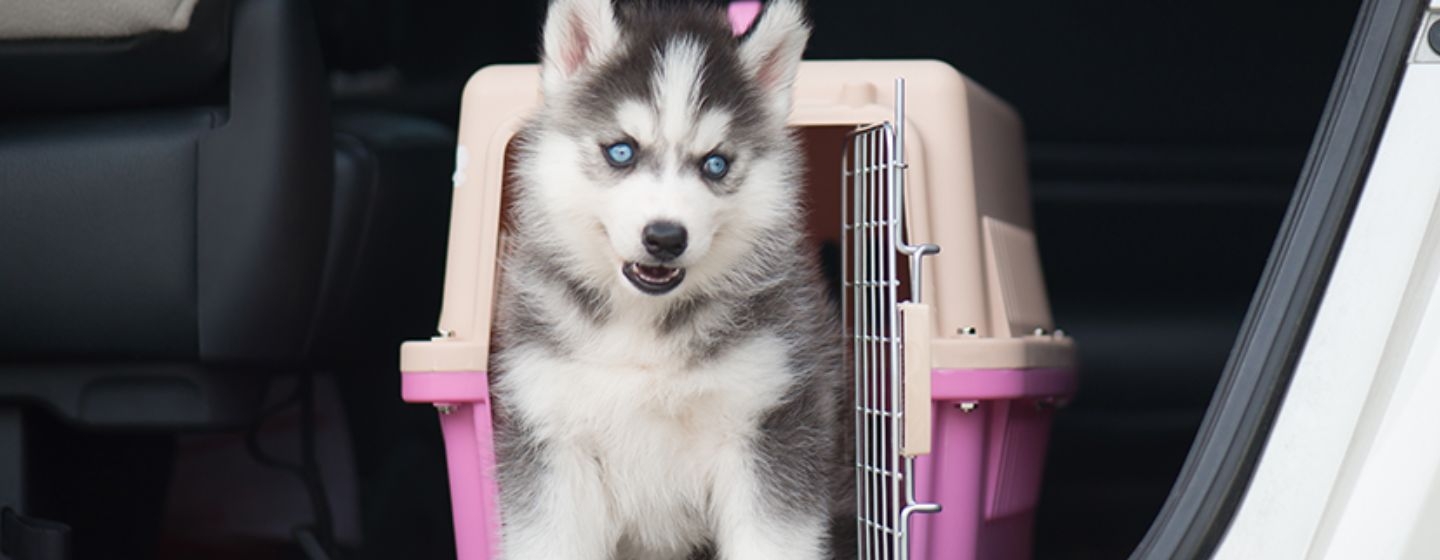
<point x="664" y="438"/>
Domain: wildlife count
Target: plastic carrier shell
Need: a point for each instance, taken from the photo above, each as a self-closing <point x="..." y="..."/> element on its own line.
<point x="982" y="333"/>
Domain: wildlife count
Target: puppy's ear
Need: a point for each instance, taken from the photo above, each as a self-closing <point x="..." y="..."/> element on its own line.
<point x="771" y="52"/>
<point x="579" y="34"/>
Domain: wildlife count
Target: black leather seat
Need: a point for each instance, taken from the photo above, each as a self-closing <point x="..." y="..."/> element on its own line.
<point x="172" y="235"/>
<point x="167" y="239"/>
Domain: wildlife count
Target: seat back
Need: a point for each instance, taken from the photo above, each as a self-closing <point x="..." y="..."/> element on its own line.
<point x="164" y="197"/>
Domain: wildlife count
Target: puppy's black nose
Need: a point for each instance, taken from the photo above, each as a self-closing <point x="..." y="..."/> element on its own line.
<point x="664" y="240"/>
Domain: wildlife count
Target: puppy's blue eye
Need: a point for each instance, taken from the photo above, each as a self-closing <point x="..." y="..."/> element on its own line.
<point x="715" y="166"/>
<point x="620" y="154"/>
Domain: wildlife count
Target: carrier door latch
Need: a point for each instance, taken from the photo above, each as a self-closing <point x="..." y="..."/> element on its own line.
<point x="915" y="350"/>
<point x="915" y="342"/>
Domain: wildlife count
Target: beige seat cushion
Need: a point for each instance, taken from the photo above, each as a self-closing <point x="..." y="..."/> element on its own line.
<point x="91" y="19"/>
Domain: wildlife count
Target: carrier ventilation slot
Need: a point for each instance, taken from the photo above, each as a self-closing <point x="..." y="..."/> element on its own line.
<point x="873" y="210"/>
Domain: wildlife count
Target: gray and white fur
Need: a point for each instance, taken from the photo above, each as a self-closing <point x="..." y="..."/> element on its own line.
<point x="679" y="394"/>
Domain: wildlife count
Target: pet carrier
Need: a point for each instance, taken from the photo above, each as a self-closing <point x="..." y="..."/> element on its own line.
<point x="957" y="365"/>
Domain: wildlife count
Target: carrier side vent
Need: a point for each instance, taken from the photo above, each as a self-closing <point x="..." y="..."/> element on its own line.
<point x="1017" y="291"/>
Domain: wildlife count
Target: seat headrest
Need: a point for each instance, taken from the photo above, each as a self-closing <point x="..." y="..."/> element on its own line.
<point x="94" y="66"/>
<point x="51" y="19"/>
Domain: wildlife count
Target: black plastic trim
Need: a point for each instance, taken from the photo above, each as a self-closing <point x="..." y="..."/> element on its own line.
<point x="31" y="538"/>
<point x="1233" y="434"/>
<point x="1433" y="36"/>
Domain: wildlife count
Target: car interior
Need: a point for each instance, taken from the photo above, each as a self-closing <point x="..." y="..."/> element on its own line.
<point x="213" y="239"/>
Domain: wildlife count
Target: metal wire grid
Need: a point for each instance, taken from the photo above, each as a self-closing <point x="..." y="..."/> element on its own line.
<point x="872" y="209"/>
<point x="871" y="286"/>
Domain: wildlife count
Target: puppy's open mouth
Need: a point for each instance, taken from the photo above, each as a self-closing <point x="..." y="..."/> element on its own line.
<point x="653" y="279"/>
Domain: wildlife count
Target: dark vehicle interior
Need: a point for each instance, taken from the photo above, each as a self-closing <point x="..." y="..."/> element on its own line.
<point x="213" y="241"/>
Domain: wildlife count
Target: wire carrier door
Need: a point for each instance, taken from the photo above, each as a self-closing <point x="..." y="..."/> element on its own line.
<point x="890" y="338"/>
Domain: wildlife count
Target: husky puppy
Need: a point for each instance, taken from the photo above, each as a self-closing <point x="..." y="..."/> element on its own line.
<point x="669" y="377"/>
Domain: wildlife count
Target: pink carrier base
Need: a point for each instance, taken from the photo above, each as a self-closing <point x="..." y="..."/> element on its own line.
<point x="464" y="402"/>
<point x="991" y="427"/>
<point x="990" y="432"/>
